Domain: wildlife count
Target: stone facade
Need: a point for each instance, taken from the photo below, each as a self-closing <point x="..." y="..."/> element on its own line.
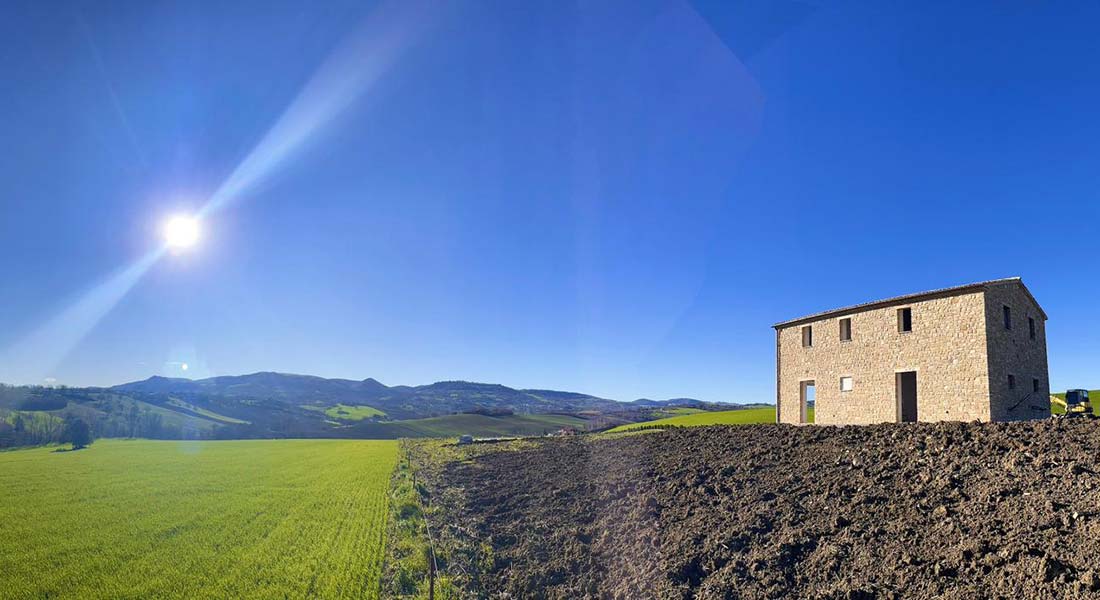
<point x="1013" y="351"/>
<point x="958" y="347"/>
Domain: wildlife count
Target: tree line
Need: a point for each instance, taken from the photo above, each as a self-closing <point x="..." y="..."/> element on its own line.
<point x="36" y="429"/>
<point x="110" y="419"/>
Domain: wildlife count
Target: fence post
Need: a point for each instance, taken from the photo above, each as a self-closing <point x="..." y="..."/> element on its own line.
<point x="431" y="578"/>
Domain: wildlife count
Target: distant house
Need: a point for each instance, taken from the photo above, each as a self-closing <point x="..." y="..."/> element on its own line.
<point x="972" y="352"/>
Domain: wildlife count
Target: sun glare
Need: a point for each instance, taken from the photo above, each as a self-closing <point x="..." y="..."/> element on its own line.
<point x="181" y="232"/>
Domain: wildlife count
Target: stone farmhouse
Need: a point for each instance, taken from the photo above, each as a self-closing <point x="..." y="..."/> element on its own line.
<point x="972" y="352"/>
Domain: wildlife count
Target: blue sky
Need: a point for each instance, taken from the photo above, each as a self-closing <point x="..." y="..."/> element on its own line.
<point x="615" y="199"/>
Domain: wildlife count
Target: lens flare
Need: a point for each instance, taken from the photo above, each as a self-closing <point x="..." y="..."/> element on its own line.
<point x="353" y="69"/>
<point x="369" y="53"/>
<point x="38" y="353"/>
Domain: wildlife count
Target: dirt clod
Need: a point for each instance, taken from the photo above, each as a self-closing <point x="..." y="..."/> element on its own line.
<point x="886" y="511"/>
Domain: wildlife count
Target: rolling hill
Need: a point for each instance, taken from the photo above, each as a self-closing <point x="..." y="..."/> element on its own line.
<point x="468" y="424"/>
<point x="268" y="404"/>
<point x="398" y="402"/>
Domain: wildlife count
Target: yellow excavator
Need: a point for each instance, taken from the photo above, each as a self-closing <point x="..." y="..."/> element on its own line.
<point x="1075" y="404"/>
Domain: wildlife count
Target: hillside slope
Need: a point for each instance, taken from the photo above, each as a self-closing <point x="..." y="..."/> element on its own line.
<point x="744" y="416"/>
<point x="398" y="402"/>
<point x="467" y="424"/>
<point x="279" y="405"/>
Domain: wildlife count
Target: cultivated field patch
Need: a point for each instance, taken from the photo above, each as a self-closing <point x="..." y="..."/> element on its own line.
<point x="744" y="416"/>
<point x="353" y="413"/>
<point x="920" y="510"/>
<point x="469" y="424"/>
<point x="144" y="519"/>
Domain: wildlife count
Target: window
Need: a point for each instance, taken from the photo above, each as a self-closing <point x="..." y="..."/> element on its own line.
<point x="1011" y="382"/>
<point x="807" y="336"/>
<point x="1031" y="327"/>
<point x="845" y="384"/>
<point x="845" y="330"/>
<point x="1035" y="385"/>
<point x="905" y="320"/>
<point x="1008" y="317"/>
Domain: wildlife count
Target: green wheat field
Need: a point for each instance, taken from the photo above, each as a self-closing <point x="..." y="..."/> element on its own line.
<point x="745" y="416"/>
<point x="159" y="519"/>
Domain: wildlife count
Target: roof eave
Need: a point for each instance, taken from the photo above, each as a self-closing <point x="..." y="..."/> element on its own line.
<point x="907" y="299"/>
<point x="1032" y="298"/>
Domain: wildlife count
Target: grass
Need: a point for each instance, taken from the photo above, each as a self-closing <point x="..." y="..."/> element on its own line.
<point x="346" y="412"/>
<point x="204" y="412"/>
<point x="408" y="552"/>
<point x="682" y="410"/>
<point x="353" y="413"/>
<point x="143" y="519"/>
<point x="470" y="424"/>
<point x="1094" y="399"/>
<point x="725" y="417"/>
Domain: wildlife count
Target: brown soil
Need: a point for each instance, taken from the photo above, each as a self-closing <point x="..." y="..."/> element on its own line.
<point x="888" y="511"/>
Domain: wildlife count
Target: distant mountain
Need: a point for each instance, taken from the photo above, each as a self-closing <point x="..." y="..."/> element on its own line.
<point x="269" y="404"/>
<point x="688" y="402"/>
<point x="573" y="402"/>
<point x="301" y="389"/>
<point x="691" y="403"/>
<point x="398" y="402"/>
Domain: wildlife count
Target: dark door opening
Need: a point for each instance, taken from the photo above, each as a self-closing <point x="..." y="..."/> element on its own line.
<point x="808" y="397"/>
<point x="907" y="396"/>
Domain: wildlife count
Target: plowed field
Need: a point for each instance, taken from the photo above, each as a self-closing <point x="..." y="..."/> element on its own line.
<point x="770" y="511"/>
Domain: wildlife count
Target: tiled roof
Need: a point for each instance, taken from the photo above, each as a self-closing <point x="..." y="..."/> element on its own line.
<point x="950" y="291"/>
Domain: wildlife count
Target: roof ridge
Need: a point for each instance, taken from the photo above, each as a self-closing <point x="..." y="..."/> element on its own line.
<point x="947" y="291"/>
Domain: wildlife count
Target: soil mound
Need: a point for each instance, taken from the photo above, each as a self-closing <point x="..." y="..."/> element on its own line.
<point x="946" y="510"/>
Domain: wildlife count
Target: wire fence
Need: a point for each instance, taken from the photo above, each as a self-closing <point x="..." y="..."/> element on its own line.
<point x="433" y="566"/>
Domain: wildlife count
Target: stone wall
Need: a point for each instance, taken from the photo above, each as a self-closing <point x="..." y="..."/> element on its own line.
<point x="947" y="348"/>
<point x="1013" y="352"/>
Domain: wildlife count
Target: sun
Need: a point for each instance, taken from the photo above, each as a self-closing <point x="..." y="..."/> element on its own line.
<point x="181" y="232"/>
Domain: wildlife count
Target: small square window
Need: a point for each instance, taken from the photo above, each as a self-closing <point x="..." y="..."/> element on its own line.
<point x="905" y="320"/>
<point x="845" y="330"/>
<point x="1031" y="327"/>
<point x="807" y="336"/>
<point x="1035" y="385"/>
<point x="1011" y="382"/>
<point x="1008" y="317"/>
<point x="845" y="384"/>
